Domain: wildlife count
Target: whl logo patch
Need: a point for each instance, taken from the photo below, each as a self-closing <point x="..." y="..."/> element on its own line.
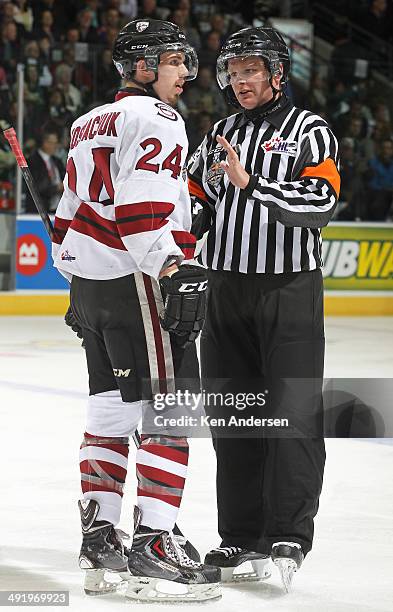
<point x="65" y="256"/>
<point x="279" y="145"/>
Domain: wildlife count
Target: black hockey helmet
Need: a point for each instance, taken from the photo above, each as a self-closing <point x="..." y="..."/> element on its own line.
<point x="266" y="43"/>
<point x="147" y="39"/>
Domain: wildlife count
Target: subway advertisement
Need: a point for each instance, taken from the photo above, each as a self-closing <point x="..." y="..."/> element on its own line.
<point x="358" y="256"/>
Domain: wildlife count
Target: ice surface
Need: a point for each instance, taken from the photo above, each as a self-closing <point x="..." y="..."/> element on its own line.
<point x="42" y="403"/>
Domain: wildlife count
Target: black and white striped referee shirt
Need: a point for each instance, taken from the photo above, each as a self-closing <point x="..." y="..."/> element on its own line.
<point x="273" y="225"/>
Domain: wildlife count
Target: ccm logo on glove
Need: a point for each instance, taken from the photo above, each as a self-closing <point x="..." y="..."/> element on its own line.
<point x="191" y="287"/>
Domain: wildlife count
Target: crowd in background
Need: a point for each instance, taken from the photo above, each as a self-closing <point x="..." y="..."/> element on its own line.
<point x="66" y="51"/>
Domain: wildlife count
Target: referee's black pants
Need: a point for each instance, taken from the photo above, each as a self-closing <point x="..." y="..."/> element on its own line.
<point x="267" y="328"/>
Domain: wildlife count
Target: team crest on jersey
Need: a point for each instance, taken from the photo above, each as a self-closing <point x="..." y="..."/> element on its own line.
<point x="215" y="172"/>
<point x="166" y="111"/>
<point x="141" y="26"/>
<point x="279" y="145"/>
<point x="214" y="157"/>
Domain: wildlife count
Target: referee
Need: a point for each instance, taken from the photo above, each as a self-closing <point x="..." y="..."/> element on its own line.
<point x="265" y="180"/>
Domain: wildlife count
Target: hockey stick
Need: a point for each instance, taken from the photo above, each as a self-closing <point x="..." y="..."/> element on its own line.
<point x="12" y="138"/>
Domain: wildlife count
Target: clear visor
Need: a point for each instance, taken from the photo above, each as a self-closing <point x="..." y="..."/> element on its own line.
<point x="189" y="63"/>
<point x="243" y="67"/>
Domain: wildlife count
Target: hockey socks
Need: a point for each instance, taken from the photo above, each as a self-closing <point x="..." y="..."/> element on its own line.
<point x="161" y="467"/>
<point x="103" y="466"/>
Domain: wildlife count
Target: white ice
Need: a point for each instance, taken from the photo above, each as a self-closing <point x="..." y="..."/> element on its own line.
<point x="43" y="389"/>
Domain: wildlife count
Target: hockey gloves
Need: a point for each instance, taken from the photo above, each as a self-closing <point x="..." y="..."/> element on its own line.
<point x="184" y="296"/>
<point x="70" y="320"/>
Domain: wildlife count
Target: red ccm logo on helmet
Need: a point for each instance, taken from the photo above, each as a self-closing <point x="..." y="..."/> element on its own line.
<point x="31" y="254"/>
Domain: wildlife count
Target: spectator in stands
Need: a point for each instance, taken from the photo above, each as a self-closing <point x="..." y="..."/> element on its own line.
<point x="351" y="202"/>
<point x="148" y="8"/>
<point x="9" y="50"/>
<point x="34" y="94"/>
<point x="46" y="28"/>
<point x="318" y="95"/>
<point x="23" y="15"/>
<point x="72" y="35"/>
<point x="362" y="149"/>
<point x="210" y="50"/>
<point x="47" y="170"/>
<point x="87" y="33"/>
<point x="59" y="115"/>
<point x="376" y="21"/>
<point x="129" y="9"/>
<point x="380" y="132"/>
<point x="45" y="61"/>
<point x="110" y="21"/>
<point x="381" y="112"/>
<point x="344" y="56"/>
<point x="341" y="124"/>
<point x="380" y="183"/>
<point x="93" y="6"/>
<point x="205" y="95"/>
<point x="181" y="17"/>
<point x="72" y="95"/>
<point x="218" y="24"/>
<point x="32" y="53"/>
<point x="198" y="128"/>
<point x="63" y="11"/>
<point x="109" y="80"/>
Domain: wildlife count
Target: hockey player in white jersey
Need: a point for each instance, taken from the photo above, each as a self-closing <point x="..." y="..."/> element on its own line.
<point x="122" y="229"/>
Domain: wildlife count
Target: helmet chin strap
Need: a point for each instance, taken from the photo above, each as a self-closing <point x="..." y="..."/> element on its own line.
<point x="268" y="107"/>
<point x="147" y="87"/>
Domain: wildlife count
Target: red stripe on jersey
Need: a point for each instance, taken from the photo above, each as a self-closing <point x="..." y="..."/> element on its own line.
<point x="173" y="500"/>
<point x="142" y="217"/>
<point x="186" y="242"/>
<point x="90" y="223"/>
<point x="161" y="477"/>
<point x="60" y="226"/>
<point x="167" y="452"/>
<point x="157" y="333"/>
<point x="116" y="471"/>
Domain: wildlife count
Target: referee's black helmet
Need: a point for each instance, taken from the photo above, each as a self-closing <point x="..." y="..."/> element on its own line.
<point x="266" y="43"/>
<point x="147" y="39"/>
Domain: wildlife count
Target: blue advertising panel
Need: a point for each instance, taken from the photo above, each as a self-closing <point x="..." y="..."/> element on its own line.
<point x="34" y="265"/>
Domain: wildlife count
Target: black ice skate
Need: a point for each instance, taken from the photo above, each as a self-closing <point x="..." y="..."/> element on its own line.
<point x="162" y="572"/>
<point x="239" y="564"/>
<point x="102" y="551"/>
<point x="288" y="556"/>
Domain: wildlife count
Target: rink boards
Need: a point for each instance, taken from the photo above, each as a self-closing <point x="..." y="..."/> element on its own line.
<point x="358" y="271"/>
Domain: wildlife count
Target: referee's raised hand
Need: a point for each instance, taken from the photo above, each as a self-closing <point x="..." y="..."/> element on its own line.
<point x="232" y="166"/>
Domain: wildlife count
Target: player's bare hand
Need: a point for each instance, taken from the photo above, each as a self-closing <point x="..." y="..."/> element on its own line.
<point x="232" y="166"/>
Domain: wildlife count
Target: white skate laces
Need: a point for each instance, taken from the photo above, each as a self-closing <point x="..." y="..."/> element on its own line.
<point x="228" y="551"/>
<point x="177" y="554"/>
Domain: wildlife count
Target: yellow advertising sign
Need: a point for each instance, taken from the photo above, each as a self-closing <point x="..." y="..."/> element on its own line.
<point x="358" y="256"/>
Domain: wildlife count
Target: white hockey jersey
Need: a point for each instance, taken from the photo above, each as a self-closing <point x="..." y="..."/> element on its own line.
<point x="125" y="206"/>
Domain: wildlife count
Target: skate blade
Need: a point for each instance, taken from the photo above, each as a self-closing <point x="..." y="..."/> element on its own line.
<point x="249" y="571"/>
<point x="141" y="589"/>
<point x="101" y="582"/>
<point x="287" y="568"/>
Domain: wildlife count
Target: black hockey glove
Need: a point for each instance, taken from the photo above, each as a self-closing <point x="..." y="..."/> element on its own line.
<point x="70" y="320"/>
<point x="184" y="296"/>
